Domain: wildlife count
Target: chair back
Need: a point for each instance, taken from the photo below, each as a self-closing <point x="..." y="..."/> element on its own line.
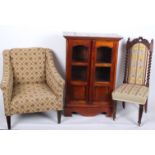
<point x="138" y="61"/>
<point x="28" y="65"/>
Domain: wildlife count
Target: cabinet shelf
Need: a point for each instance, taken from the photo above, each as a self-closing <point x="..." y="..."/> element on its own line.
<point x="101" y="84"/>
<point x="79" y="83"/>
<point x="79" y="64"/>
<point x="103" y="65"/>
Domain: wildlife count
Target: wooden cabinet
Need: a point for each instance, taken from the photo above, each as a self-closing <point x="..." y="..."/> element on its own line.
<point x="90" y="73"/>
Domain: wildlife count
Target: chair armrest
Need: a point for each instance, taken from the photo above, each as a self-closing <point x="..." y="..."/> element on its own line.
<point x="7" y="81"/>
<point x="53" y="78"/>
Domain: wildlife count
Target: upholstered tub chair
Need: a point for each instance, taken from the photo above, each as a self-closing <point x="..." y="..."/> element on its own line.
<point x="135" y="87"/>
<point x="31" y="82"/>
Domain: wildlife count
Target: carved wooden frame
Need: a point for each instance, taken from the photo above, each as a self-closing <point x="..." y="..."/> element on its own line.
<point x="127" y="59"/>
<point x="147" y="73"/>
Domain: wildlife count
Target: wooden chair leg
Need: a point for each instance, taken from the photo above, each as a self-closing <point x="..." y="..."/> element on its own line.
<point x="146" y="104"/>
<point x="8" y="119"/>
<point x="140" y="114"/>
<point x="115" y="109"/>
<point x="123" y="104"/>
<point x="59" y="116"/>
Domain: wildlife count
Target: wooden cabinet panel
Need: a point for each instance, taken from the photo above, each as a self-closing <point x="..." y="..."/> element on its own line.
<point x="101" y="93"/>
<point x="79" y="93"/>
<point x="90" y="74"/>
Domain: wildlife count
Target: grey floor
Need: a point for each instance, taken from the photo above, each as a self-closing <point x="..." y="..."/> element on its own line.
<point x="126" y="119"/>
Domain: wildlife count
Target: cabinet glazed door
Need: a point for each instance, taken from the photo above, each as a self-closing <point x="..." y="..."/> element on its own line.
<point x="79" y="69"/>
<point x="102" y="71"/>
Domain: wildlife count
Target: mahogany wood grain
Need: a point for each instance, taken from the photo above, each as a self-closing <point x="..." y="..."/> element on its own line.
<point x="90" y="95"/>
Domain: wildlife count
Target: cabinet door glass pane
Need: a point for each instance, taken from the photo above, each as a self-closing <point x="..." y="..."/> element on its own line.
<point x="103" y="74"/>
<point x="104" y="55"/>
<point x="80" y="53"/>
<point x="79" y="73"/>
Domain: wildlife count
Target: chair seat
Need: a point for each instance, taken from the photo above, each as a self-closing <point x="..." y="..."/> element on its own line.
<point x="29" y="98"/>
<point x="131" y="93"/>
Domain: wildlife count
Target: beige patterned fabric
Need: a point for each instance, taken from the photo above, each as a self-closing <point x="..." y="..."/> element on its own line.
<point x="28" y="98"/>
<point x="138" y="64"/>
<point x="131" y="93"/>
<point x="30" y="81"/>
<point x="7" y="81"/>
<point x="53" y="79"/>
<point x="28" y="65"/>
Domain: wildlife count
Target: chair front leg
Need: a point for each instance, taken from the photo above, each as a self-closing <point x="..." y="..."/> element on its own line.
<point x="146" y="104"/>
<point x="59" y="112"/>
<point x="115" y="109"/>
<point x="8" y="119"/>
<point x="123" y="104"/>
<point x="140" y="114"/>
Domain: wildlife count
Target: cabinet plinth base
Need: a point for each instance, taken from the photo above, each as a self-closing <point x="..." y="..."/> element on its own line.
<point x="89" y="111"/>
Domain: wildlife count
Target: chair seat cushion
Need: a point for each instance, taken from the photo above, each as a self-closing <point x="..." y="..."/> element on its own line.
<point x="131" y="93"/>
<point x="34" y="97"/>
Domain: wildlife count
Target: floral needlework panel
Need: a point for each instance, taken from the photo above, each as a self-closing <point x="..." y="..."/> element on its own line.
<point x="138" y="64"/>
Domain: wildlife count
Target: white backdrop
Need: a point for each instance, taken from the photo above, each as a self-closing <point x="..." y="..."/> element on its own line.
<point x="34" y="23"/>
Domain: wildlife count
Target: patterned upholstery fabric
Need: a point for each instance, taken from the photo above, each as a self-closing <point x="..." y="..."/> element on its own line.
<point x="53" y="79"/>
<point x="131" y="93"/>
<point x="30" y="81"/>
<point x="138" y="64"/>
<point x="28" y="65"/>
<point x="7" y="81"/>
<point x="28" y="98"/>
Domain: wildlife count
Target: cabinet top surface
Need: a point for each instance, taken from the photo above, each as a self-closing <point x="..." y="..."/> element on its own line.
<point x="90" y="35"/>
